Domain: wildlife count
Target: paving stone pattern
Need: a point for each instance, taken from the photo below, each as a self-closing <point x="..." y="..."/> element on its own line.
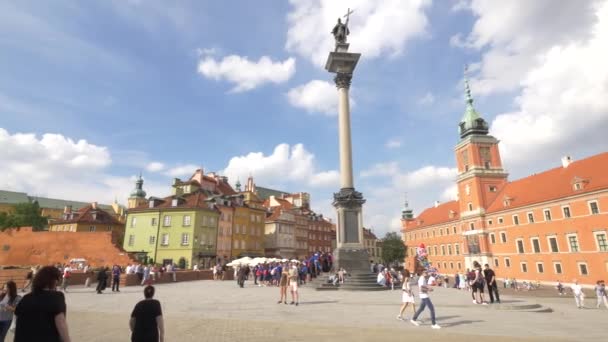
<point x="219" y="311"/>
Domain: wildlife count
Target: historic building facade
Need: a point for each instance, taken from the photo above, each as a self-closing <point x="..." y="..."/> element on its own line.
<point x="548" y="226"/>
<point x="373" y="246"/>
<point x="89" y="218"/>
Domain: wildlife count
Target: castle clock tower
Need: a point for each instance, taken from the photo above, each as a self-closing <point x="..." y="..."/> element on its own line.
<point x="480" y="178"/>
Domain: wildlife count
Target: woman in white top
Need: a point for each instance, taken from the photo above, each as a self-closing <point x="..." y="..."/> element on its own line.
<point x="407" y="296"/>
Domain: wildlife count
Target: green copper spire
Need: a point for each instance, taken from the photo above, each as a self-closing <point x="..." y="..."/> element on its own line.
<point x="138" y="192"/>
<point x="471" y="121"/>
<point x="407" y="213"/>
<point x="238" y="185"/>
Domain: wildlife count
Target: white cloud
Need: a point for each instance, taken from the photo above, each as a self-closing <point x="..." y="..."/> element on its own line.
<point x="246" y="74"/>
<point x="393" y="143"/>
<point x="285" y="164"/>
<point x="59" y="167"/>
<point x="315" y="97"/>
<point x="179" y="171"/>
<point x="385" y="197"/>
<point x="155" y="167"/>
<point x="325" y="179"/>
<point x="560" y="75"/>
<point x="427" y="99"/>
<point x="377" y="27"/>
<point x="516" y="32"/>
<point x="381" y="169"/>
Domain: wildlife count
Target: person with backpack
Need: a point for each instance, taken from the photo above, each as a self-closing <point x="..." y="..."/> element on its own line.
<point x="478" y="284"/>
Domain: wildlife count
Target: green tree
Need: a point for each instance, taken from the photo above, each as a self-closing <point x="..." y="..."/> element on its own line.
<point x="24" y="215"/>
<point x="393" y="248"/>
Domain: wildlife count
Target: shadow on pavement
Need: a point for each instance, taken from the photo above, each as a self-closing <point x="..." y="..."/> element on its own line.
<point x="319" y="302"/>
<point x="453" y="324"/>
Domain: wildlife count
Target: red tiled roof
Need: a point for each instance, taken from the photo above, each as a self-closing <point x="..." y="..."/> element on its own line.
<point x="85" y="215"/>
<point x="439" y="214"/>
<point x="555" y="183"/>
<point x="191" y="200"/>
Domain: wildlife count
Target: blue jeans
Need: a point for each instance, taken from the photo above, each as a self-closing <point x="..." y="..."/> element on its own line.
<point x="424" y="302"/>
<point x="4" y="325"/>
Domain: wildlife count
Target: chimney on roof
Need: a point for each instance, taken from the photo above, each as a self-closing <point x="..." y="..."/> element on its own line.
<point x="437" y="204"/>
<point x="566" y="160"/>
<point x="67" y="209"/>
<point x="94" y="205"/>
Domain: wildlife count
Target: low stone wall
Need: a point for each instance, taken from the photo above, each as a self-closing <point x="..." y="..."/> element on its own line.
<point x="79" y="278"/>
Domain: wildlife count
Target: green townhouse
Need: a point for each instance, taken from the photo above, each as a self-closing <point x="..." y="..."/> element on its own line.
<point x="180" y="229"/>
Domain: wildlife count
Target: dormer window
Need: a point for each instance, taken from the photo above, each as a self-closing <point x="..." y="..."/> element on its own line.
<point x="493" y="188"/>
<point x="577" y="186"/>
<point x="174" y="202"/>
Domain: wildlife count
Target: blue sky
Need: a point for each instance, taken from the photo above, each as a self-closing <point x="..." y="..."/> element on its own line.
<point x="163" y="88"/>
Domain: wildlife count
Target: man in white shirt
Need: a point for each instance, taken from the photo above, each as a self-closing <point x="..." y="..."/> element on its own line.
<point x="579" y="296"/>
<point x="425" y="301"/>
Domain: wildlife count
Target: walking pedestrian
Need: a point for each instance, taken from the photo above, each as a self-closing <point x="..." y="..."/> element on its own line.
<point x="67" y="274"/>
<point x="29" y="277"/>
<point x="146" y="321"/>
<point x="425" y="301"/>
<point x="600" y="292"/>
<point x="9" y="299"/>
<point x="579" y="295"/>
<point x="146" y="276"/>
<point x="102" y="280"/>
<point x="115" y="278"/>
<point x="478" y="284"/>
<point x="490" y="278"/>
<point x="407" y="297"/>
<point x="41" y="313"/>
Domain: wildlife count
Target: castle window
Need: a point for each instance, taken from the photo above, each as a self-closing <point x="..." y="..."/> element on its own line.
<point x="493" y="188"/>
<point x="582" y="268"/>
<point x="558" y="267"/>
<point x="593" y="208"/>
<point x="515" y="220"/>
<point x="520" y="246"/>
<point x="500" y="220"/>
<point x="553" y="244"/>
<point x="524" y="267"/>
<point x="573" y="242"/>
<point x="530" y="217"/>
<point x="131" y="240"/>
<point x="566" y="211"/>
<point x="503" y="237"/>
<point x="133" y="221"/>
<point x="547" y="214"/>
<point x="470" y="205"/>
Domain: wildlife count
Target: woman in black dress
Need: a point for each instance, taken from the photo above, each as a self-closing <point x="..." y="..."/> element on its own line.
<point x="41" y="313"/>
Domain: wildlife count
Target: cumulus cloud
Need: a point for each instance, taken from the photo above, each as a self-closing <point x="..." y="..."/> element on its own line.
<point x="60" y="167"/>
<point x="285" y="164"/>
<point x="245" y="74"/>
<point x="563" y="104"/>
<point x="516" y="32"/>
<point x="560" y="75"/>
<point x="184" y="170"/>
<point x="377" y="27"/>
<point x="315" y="97"/>
<point x="155" y="167"/>
<point x="422" y="186"/>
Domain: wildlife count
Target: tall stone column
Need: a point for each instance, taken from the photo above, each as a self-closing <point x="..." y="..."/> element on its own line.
<point x="346" y="155"/>
<point x="350" y="252"/>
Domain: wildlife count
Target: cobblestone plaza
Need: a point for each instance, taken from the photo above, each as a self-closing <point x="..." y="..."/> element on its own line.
<point x="219" y="311"/>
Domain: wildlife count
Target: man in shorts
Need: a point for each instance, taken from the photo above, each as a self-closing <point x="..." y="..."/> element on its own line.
<point x="293" y="284"/>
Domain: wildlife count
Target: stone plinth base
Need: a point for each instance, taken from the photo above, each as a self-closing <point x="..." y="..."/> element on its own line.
<point x="353" y="260"/>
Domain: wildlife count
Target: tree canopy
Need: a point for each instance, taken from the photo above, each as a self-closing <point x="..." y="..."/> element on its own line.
<point x="23" y="215"/>
<point x="393" y="248"/>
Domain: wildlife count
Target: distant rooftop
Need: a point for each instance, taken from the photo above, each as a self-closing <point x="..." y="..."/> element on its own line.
<point x="12" y="197"/>
<point x="265" y="193"/>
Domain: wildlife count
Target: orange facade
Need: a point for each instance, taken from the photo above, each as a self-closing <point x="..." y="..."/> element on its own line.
<point x="546" y="227"/>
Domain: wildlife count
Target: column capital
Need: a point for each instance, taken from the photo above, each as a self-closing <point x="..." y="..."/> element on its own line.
<point x="348" y="198"/>
<point x="343" y="80"/>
